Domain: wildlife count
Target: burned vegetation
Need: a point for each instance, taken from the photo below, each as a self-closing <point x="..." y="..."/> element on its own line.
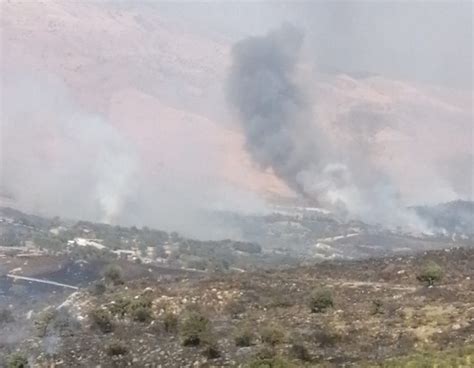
<point x="367" y="313"/>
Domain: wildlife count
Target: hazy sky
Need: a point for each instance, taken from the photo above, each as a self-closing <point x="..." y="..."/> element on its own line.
<point x="428" y="41"/>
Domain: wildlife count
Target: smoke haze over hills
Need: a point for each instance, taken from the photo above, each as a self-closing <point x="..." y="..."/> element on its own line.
<point x="119" y="111"/>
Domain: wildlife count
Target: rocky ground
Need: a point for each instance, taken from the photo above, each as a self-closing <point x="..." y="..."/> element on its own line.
<point x="379" y="311"/>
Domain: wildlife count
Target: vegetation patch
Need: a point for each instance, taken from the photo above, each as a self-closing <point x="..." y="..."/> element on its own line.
<point x="116" y="347"/>
<point x="320" y="300"/>
<point x="17" y="360"/>
<point x="272" y="334"/>
<point x="101" y="319"/>
<point x="195" y="329"/>
<point x="462" y="357"/>
<point x="431" y="273"/>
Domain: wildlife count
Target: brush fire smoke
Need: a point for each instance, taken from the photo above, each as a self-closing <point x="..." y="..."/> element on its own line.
<point x="130" y="126"/>
<point x="59" y="159"/>
<point x="281" y="135"/>
<point x="56" y="158"/>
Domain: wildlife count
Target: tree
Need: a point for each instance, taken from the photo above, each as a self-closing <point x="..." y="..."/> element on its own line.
<point x="431" y="273"/>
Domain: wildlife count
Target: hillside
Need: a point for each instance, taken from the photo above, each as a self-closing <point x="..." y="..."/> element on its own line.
<point x="87" y="294"/>
<point x="161" y="87"/>
<point x="379" y="311"/>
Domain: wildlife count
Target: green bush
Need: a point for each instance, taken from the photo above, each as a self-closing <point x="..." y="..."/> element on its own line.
<point x="56" y="322"/>
<point x="456" y="357"/>
<point x="211" y="350"/>
<point x="244" y="337"/>
<point x="142" y="314"/>
<point x="280" y="300"/>
<point x="63" y="324"/>
<point x="101" y="319"/>
<point x="235" y="308"/>
<point x="195" y="329"/>
<point x="299" y="351"/>
<point x="324" y="336"/>
<point x="116" y="347"/>
<point x="42" y="322"/>
<point x="431" y="273"/>
<point x="140" y="309"/>
<point x="377" y="307"/>
<point x="143" y="301"/>
<point x="113" y="274"/>
<point x="120" y="306"/>
<point x="98" y="288"/>
<point x="272" y="334"/>
<point x="320" y="300"/>
<point x="275" y="362"/>
<point x="17" y="360"/>
<point x="265" y="352"/>
<point x="170" y="322"/>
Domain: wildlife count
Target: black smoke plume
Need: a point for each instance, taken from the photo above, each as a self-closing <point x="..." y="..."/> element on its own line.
<point x="281" y="134"/>
<point x="271" y="107"/>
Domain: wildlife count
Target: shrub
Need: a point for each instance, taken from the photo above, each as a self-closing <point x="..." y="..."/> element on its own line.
<point x="235" y="308"/>
<point x="272" y="335"/>
<point x="211" y="351"/>
<point x="275" y="362"/>
<point x="17" y="360"/>
<point x="142" y="314"/>
<point x="431" y="273"/>
<point x="325" y="336"/>
<point x="56" y="322"/>
<point x="320" y="300"/>
<point x="265" y="352"/>
<point x="101" y="319"/>
<point x="244" y="337"/>
<point x="299" y="351"/>
<point x="195" y="329"/>
<point x="454" y="357"/>
<point x="140" y="308"/>
<point x="170" y="322"/>
<point x="63" y="324"/>
<point x="116" y="347"/>
<point x="43" y="320"/>
<point x="120" y="306"/>
<point x="377" y="306"/>
<point x="143" y="301"/>
<point x="113" y="274"/>
<point x="6" y="316"/>
<point x="98" y="288"/>
<point x="281" y="301"/>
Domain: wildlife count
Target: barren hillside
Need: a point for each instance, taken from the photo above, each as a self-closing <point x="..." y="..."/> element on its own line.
<point x="161" y="85"/>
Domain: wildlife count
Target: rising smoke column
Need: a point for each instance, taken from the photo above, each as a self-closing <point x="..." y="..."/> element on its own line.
<point x="280" y="134"/>
<point x="58" y="159"/>
<point x="270" y="106"/>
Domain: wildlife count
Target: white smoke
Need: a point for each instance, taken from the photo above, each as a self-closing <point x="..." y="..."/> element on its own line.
<point x="56" y="156"/>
